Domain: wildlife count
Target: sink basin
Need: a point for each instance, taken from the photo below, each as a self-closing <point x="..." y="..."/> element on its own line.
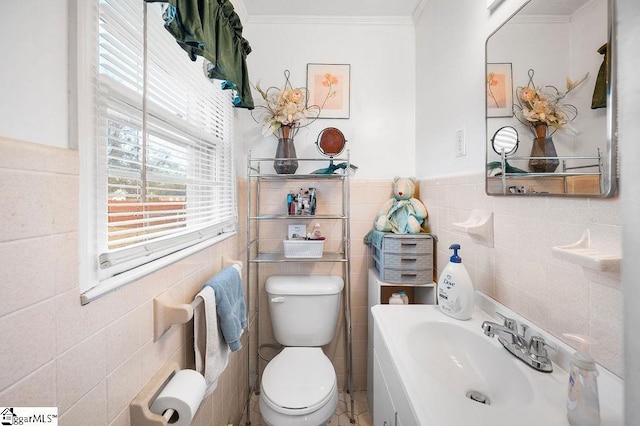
<point x="464" y="361"/>
<point x="451" y="374"/>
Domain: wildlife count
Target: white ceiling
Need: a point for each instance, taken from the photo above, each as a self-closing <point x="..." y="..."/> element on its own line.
<point x="331" y="7"/>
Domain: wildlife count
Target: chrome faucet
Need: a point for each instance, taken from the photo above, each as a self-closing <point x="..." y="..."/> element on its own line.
<point x="532" y="352"/>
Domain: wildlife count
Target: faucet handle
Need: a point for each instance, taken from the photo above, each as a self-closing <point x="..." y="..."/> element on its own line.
<point x="524" y="330"/>
<point x="510" y="323"/>
<point x="539" y="347"/>
<point x="538" y="355"/>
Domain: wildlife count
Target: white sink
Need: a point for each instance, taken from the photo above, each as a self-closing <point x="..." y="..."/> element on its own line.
<point x="438" y="360"/>
<point x="464" y="361"/>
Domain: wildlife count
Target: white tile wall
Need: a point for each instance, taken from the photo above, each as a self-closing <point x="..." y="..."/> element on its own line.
<point x="91" y="360"/>
<point x="520" y="271"/>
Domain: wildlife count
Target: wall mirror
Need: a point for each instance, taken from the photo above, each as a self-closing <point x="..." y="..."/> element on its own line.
<point x="550" y="91"/>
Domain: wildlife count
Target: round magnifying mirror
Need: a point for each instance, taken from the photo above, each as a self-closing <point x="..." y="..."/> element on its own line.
<point x="505" y="139"/>
<point x="330" y="142"/>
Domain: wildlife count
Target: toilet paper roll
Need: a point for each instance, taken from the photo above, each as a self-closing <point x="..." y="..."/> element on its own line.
<point x="183" y="393"/>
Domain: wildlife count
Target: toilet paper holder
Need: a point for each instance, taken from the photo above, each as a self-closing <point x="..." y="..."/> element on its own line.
<point x="168" y="312"/>
<point x="139" y="410"/>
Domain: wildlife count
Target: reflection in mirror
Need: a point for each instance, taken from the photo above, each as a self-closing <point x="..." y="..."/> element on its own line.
<point x="564" y="116"/>
<point x="505" y="141"/>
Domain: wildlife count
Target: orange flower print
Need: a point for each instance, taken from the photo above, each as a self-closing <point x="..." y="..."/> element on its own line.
<point x="329" y="80"/>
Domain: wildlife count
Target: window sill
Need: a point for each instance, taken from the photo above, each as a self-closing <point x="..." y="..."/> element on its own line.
<point x="107" y="286"/>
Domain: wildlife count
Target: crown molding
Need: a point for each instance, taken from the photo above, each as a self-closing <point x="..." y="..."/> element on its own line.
<point x="417" y="12"/>
<point x="540" y="19"/>
<point x="555" y="19"/>
<point x="330" y="19"/>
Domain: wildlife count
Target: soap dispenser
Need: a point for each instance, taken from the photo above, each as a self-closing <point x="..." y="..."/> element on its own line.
<point x="583" y="405"/>
<point x="455" y="290"/>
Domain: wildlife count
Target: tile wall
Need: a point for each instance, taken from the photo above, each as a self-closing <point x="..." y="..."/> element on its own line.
<point x="520" y="271"/>
<point x="90" y="361"/>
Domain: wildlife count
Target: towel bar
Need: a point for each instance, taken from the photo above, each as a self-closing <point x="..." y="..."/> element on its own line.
<point x="167" y="312"/>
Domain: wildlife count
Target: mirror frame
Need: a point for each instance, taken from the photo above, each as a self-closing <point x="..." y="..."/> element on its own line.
<point x="609" y="178"/>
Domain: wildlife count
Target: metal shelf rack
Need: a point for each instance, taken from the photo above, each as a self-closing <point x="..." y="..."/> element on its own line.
<point x="259" y="176"/>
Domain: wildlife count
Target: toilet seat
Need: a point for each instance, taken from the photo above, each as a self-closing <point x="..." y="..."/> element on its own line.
<point x="298" y="381"/>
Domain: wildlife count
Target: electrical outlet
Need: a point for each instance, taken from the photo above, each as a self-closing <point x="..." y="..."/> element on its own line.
<point x="461" y="145"/>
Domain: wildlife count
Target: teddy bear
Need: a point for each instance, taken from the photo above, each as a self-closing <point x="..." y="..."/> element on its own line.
<point x="401" y="214"/>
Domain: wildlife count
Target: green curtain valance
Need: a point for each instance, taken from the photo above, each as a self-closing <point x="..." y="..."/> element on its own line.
<point x="212" y="29"/>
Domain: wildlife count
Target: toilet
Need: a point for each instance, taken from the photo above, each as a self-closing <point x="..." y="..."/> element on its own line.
<point x="299" y="385"/>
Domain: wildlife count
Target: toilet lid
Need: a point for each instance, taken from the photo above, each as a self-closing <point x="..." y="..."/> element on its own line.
<point x="300" y="379"/>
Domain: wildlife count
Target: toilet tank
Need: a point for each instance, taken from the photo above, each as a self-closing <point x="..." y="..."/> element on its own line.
<point x="304" y="308"/>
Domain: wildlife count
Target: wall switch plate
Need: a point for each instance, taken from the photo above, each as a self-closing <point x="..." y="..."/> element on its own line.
<point x="461" y="145"/>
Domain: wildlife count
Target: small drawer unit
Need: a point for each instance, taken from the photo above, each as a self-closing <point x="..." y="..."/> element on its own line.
<point x="403" y="258"/>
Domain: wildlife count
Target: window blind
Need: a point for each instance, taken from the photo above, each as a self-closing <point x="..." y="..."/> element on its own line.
<point x="166" y="177"/>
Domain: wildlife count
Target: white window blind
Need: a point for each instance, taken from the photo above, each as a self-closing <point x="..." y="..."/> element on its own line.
<point x="165" y="173"/>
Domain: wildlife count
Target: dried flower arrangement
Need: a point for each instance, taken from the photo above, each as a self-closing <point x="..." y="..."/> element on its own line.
<point x="285" y="110"/>
<point x="543" y="105"/>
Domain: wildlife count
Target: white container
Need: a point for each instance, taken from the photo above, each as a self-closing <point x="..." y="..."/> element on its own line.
<point x="395" y="299"/>
<point x="303" y="248"/>
<point x="404" y="297"/>
<point x="583" y="403"/>
<point x="455" y="290"/>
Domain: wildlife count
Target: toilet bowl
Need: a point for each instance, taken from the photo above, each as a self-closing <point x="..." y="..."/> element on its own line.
<point x="298" y="388"/>
<point x="299" y="385"/>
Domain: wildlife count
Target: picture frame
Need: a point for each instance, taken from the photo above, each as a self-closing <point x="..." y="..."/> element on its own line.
<point x="296" y="231"/>
<point x="322" y="78"/>
<point x="499" y="81"/>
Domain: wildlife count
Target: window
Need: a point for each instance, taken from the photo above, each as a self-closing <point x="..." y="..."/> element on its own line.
<point x="164" y="173"/>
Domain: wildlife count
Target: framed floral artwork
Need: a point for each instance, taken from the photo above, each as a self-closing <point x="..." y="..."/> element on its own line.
<point x="499" y="90"/>
<point x="329" y="87"/>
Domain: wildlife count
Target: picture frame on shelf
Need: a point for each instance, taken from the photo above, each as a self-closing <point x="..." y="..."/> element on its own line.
<point x="296" y="231"/>
<point x="499" y="80"/>
<point x="329" y="87"/>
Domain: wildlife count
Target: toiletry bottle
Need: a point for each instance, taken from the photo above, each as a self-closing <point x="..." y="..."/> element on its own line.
<point x="395" y="299"/>
<point x="312" y="201"/>
<point x="290" y="206"/>
<point x="455" y="290"/>
<point x="583" y="405"/>
<point x="405" y="298"/>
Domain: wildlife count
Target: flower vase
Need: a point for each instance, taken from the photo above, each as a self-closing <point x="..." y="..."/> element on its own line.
<point x="543" y="147"/>
<point x="286" y="162"/>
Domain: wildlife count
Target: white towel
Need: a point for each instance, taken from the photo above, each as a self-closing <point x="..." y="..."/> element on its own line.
<point x="211" y="350"/>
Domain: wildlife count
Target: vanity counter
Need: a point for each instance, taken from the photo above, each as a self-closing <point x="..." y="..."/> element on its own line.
<point x="430" y="369"/>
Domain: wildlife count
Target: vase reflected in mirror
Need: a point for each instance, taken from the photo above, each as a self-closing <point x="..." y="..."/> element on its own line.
<point x="286" y="162"/>
<point x="543" y="147"/>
